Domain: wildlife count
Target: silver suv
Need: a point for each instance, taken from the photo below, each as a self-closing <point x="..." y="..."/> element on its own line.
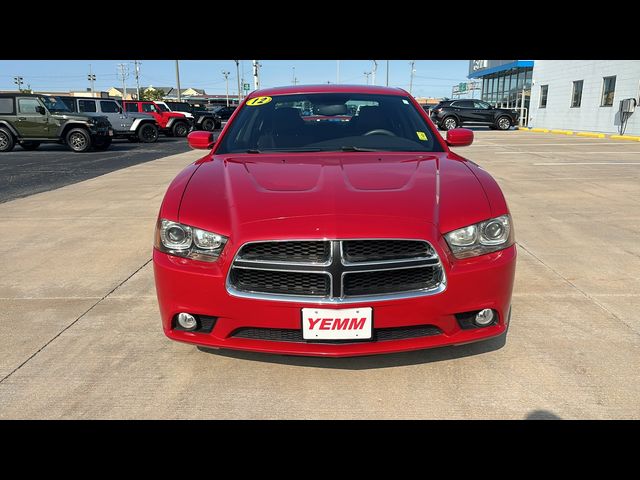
<point x="137" y="127"/>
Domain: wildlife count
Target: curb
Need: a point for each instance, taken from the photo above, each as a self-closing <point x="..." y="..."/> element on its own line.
<point x="590" y="134"/>
<point x="630" y="138"/>
<point x="622" y="137"/>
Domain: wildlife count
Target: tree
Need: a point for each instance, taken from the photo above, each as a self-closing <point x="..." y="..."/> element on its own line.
<point x="149" y="94"/>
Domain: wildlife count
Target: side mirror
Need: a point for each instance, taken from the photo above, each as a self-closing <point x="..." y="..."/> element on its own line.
<point x="119" y="110"/>
<point x="459" y="137"/>
<point x="201" y="140"/>
<point x="40" y="109"/>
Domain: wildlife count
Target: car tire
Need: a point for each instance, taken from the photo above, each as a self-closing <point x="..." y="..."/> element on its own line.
<point x="449" y="123"/>
<point x="7" y="141"/>
<point x="101" y="144"/>
<point x="78" y="140"/>
<point x="180" y="129"/>
<point x="503" y="123"/>
<point x="208" y="124"/>
<point x="29" y="146"/>
<point x="148" y="133"/>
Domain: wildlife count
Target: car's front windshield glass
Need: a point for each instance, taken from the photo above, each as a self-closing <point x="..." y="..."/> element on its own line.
<point x="329" y="122"/>
<point x="55" y="104"/>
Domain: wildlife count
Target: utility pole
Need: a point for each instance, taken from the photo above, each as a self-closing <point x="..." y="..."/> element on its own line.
<point x="295" y="80"/>
<point x="238" y="77"/>
<point x="413" y="70"/>
<point x="226" y="77"/>
<point x="137" y="66"/>
<point x="178" y="80"/>
<point x="18" y="81"/>
<point x="373" y="72"/>
<point x="123" y="72"/>
<point x="387" y="73"/>
<point x="256" y="75"/>
<point x="366" y="74"/>
<point x="337" y="71"/>
<point x="91" y="77"/>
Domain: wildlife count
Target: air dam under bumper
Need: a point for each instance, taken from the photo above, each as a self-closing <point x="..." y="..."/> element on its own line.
<point x="198" y="288"/>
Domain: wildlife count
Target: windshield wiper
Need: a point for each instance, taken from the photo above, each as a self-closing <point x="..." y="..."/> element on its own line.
<point x="351" y="148"/>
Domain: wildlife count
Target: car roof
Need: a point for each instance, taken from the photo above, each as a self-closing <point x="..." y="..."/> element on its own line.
<point x="327" y="88"/>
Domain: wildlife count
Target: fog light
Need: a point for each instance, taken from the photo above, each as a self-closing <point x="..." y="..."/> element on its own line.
<point x="484" y="317"/>
<point x="187" y="321"/>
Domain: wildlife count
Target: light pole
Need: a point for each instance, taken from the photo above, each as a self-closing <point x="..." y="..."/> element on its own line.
<point x="413" y="70"/>
<point x="137" y="67"/>
<point x="366" y="75"/>
<point x="226" y="77"/>
<point x="91" y="77"/>
<point x="387" y="73"/>
<point x="337" y="71"/>
<point x="256" y="75"/>
<point x="123" y="71"/>
<point x="238" y="76"/>
<point x="295" y="80"/>
<point x="373" y="72"/>
<point x="18" y="81"/>
<point x="178" y="80"/>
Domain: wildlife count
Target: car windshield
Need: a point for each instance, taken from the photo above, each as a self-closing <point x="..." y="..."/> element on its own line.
<point x="329" y="122"/>
<point x="162" y="108"/>
<point x="55" y="104"/>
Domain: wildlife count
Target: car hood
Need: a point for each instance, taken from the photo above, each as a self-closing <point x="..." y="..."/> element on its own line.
<point x="83" y="117"/>
<point x="332" y="195"/>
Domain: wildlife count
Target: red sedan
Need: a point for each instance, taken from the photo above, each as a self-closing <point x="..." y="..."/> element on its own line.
<point x="333" y="238"/>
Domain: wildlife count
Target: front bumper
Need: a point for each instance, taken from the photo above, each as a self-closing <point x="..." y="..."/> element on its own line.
<point x="199" y="288"/>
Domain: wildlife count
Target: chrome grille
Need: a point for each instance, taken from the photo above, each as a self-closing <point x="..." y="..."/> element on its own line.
<point x="336" y="271"/>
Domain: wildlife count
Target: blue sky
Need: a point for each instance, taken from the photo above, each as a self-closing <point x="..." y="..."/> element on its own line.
<point x="432" y="77"/>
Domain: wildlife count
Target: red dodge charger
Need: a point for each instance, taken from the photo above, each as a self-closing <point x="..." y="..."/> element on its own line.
<point x="333" y="220"/>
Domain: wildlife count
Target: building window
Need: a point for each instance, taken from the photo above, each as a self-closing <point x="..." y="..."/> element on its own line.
<point x="608" y="89"/>
<point x="576" y="96"/>
<point x="544" y="89"/>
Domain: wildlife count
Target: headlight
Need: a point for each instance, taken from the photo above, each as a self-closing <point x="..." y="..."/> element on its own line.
<point x="484" y="237"/>
<point x="184" y="241"/>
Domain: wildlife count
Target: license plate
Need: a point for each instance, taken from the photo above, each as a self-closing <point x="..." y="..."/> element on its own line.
<point x="331" y="324"/>
<point x="111" y="133"/>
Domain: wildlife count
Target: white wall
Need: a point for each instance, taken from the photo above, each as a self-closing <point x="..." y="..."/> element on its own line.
<point x="560" y="75"/>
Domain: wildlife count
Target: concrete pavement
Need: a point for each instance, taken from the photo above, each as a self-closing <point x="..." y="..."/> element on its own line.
<point x="80" y="333"/>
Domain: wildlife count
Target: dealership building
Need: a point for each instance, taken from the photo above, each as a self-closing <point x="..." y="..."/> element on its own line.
<point x="586" y="95"/>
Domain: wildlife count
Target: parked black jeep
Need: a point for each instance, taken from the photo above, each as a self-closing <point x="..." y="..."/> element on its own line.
<point x="202" y="119"/>
<point x="30" y="120"/>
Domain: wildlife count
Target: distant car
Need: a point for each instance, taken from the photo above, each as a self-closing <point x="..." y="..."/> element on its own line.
<point x="450" y="114"/>
<point x="30" y="120"/>
<point x="172" y="124"/>
<point x="202" y="119"/>
<point x="136" y="127"/>
<point x="225" y="112"/>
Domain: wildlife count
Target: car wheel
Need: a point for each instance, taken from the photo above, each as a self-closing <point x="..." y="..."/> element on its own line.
<point x="503" y="123"/>
<point x="148" y="133"/>
<point x="208" y="124"/>
<point x="6" y="140"/>
<point x="180" y="129"/>
<point x="29" y="145"/>
<point x="450" y="123"/>
<point x="101" y="144"/>
<point x="78" y="140"/>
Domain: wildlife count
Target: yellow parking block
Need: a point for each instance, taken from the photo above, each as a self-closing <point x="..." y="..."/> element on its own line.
<point x="563" y="132"/>
<point x="543" y="130"/>
<point x="590" y="134"/>
<point x="625" y="137"/>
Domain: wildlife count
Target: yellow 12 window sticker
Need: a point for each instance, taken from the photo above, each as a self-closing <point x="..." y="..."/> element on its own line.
<point x="257" y="101"/>
<point x="421" y="135"/>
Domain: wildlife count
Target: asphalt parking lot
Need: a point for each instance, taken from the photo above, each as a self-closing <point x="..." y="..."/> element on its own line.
<point x="53" y="166"/>
<point x="81" y="338"/>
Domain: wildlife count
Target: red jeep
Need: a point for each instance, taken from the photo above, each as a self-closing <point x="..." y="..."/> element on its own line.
<point x="170" y="123"/>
